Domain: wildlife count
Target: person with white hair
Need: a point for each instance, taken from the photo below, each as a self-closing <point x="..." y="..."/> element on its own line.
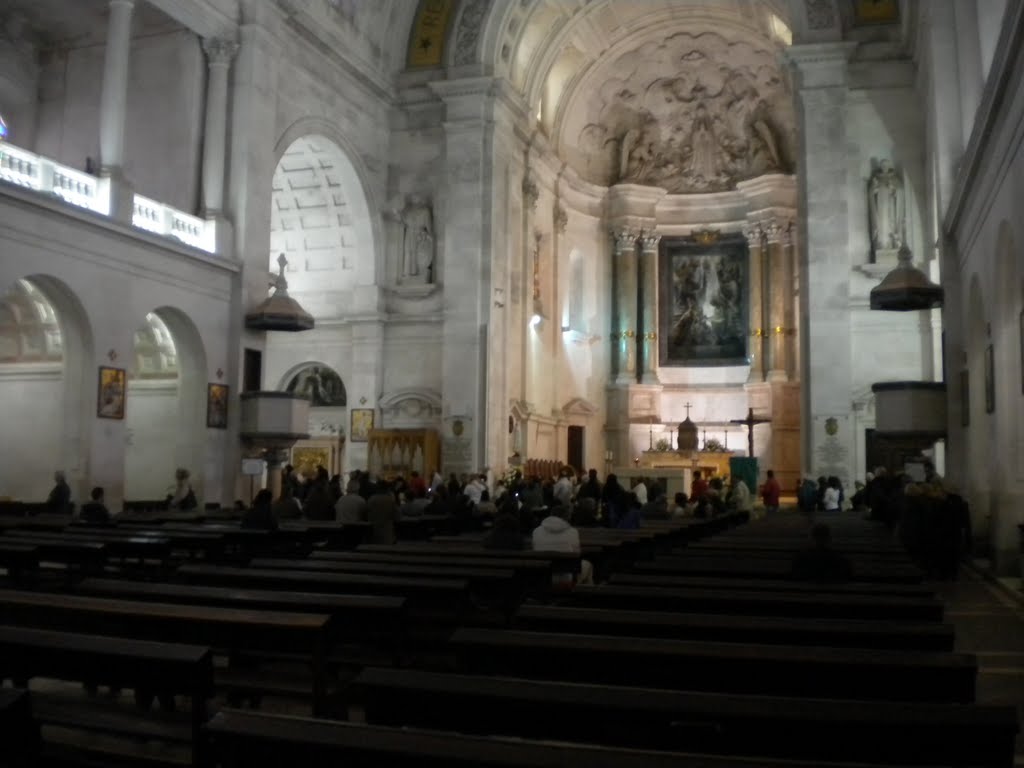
<point x="183" y="498"/>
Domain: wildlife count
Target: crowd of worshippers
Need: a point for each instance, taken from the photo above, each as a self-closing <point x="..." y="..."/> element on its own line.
<point x="929" y="515"/>
<point x="180" y="497"/>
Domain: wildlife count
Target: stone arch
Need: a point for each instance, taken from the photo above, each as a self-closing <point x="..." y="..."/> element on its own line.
<point x="68" y="446"/>
<point x="327" y="390"/>
<point x="354" y="182"/>
<point x="150" y="464"/>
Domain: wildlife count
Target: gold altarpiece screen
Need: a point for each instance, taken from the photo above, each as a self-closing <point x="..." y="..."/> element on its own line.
<point x="394" y="452"/>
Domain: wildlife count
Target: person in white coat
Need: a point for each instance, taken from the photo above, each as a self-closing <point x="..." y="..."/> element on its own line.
<point x="556" y="534"/>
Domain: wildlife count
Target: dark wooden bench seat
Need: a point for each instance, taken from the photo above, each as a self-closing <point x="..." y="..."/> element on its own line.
<point x="756" y="603"/>
<point x="770" y="568"/>
<point x="476" y="574"/>
<point x="644" y="579"/>
<point x="140" y="665"/>
<point x="136" y="547"/>
<point x="909" y="733"/>
<point x="757" y="546"/>
<point x="16" y="558"/>
<point x="256" y="740"/>
<point x="355" y="618"/>
<point x="234" y="630"/>
<point x="19" y="732"/>
<point x="430" y="602"/>
<point x="780" y="630"/>
<point x="851" y="673"/>
<point x="533" y="571"/>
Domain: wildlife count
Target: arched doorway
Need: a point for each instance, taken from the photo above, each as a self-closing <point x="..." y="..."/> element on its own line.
<point x="328" y="418"/>
<point x="165" y="406"/>
<point x="45" y="345"/>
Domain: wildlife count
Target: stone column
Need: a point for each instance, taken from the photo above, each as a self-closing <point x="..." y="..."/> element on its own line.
<point x="758" y="331"/>
<point x="821" y="80"/>
<point x="775" y="301"/>
<point x="113" y="106"/>
<point x="625" y="303"/>
<point x="219" y="54"/>
<point x="649" y="296"/>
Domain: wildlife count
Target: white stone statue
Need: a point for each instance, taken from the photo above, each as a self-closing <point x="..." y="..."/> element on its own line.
<point x="418" y="241"/>
<point x="886" y="207"/>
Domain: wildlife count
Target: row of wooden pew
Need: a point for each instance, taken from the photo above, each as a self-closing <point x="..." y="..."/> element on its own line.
<point x="443" y="651"/>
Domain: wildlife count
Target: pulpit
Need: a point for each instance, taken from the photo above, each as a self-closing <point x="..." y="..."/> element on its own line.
<point x="395" y="452"/>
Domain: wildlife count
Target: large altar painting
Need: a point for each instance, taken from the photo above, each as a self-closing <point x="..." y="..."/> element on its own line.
<point x="702" y="306"/>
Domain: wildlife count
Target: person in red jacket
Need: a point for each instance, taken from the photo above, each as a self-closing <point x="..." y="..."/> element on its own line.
<point x="770" y="493"/>
<point x="698" y="487"/>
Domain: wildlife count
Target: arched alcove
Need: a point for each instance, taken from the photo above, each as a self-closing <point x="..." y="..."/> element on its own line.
<point x="321" y="222"/>
<point x="165" y="410"/>
<point x="47" y="387"/>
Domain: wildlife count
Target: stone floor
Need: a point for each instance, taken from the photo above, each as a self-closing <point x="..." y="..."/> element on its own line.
<point x="989" y="619"/>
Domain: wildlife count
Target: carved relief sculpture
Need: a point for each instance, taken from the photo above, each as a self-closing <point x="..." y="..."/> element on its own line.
<point x="886" y="207"/>
<point x="725" y="115"/>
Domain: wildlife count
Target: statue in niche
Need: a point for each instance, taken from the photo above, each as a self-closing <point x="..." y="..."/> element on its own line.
<point x="886" y="208"/>
<point x="636" y="155"/>
<point x="417" y="241"/>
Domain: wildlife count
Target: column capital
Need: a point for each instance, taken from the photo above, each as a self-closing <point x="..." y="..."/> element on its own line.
<point x="754" y="233"/>
<point x="649" y="242"/>
<point x="219" y="52"/>
<point x="625" y="237"/>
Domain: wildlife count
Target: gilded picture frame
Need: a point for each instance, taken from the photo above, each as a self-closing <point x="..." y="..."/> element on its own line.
<point x="362" y="422"/>
<point x="110" y="395"/>
<point x="217" y="406"/>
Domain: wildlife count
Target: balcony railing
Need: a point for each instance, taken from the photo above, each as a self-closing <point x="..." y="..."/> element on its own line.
<point x="25" y="169"/>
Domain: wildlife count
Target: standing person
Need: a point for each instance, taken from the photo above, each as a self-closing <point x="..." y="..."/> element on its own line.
<point x="640" y="491"/>
<point x="562" y="490"/>
<point x="770" y="493"/>
<point x="831" y="499"/>
<point x="591" y="488"/>
<point x="382" y="512"/>
<point x="318" y="504"/>
<point x="742" y="499"/>
<point x="698" y="487"/>
<point x="261" y="516"/>
<point x="611" y="498"/>
<point x="59" y="500"/>
<point x="183" y="498"/>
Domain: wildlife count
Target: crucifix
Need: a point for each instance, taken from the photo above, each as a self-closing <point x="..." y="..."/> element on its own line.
<point x="687" y="406"/>
<point x="749" y="423"/>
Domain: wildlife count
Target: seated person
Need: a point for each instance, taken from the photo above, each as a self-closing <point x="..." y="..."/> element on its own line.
<point x="680" y="507"/>
<point x="95" y="511"/>
<point x="656" y="508"/>
<point x="260" y="516"/>
<point x="416" y="505"/>
<point x="555" y="534"/>
<point x="286" y="507"/>
<point x="506" y="533"/>
<point x="821" y="563"/>
<point x="630" y="519"/>
<point x="350" y="508"/>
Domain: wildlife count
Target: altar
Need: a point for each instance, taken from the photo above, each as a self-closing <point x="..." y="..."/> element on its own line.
<point x="678" y="467"/>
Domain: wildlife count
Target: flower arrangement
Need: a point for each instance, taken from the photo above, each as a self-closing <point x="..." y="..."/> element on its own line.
<point x="712" y="445"/>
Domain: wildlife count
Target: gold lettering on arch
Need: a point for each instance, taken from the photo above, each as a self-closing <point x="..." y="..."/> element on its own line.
<point x="427" y="41"/>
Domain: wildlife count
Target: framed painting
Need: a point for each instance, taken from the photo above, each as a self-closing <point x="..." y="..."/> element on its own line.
<point x="362" y="423"/>
<point x="111" y="393"/>
<point x="868" y="12"/>
<point x="965" y="398"/>
<point x="990" y="380"/>
<point x="703" y="301"/>
<point x="217" y="406"/>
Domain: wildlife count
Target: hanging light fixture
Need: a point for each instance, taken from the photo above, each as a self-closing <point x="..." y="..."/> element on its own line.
<point x="906" y="288"/>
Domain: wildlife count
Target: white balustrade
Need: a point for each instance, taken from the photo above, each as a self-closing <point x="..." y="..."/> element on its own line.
<point x="25" y="169"/>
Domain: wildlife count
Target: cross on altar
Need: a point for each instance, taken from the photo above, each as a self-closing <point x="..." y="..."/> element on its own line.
<point x="749" y="423"/>
<point x="687" y="406"/>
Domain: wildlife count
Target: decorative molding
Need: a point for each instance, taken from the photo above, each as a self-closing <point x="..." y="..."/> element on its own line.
<point x="821" y="14"/>
<point x="578" y="406"/>
<point x="531" y="193"/>
<point x="468" y="32"/>
<point x="625" y="238"/>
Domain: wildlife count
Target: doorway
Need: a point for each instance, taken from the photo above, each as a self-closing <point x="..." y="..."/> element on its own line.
<point x="574" y="452"/>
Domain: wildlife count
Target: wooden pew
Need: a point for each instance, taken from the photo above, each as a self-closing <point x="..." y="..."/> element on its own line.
<point x="534" y="572"/>
<point x="19" y="732"/>
<point x="725" y="564"/>
<point x="233" y="629"/>
<point x="17" y="558"/>
<point x="781" y="670"/>
<point x="908" y="733"/>
<point x="436" y="599"/>
<point x="773" y="630"/>
<point x="477" y="574"/>
<point x="753" y="603"/>
<point x="149" y="666"/>
<point x="355" y="618"/>
<point x="256" y="740"/>
<point x="645" y="579"/>
<point x="115" y="546"/>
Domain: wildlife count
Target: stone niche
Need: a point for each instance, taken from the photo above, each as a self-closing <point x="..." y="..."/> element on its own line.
<point x="690" y="112"/>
